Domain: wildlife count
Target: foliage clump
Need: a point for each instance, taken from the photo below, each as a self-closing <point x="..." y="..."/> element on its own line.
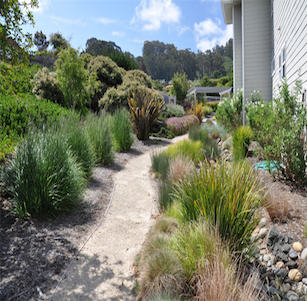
<point x="122" y="130"/>
<point x="280" y="128"/>
<point x="180" y="86"/>
<point x="181" y="125"/>
<point x="43" y="177"/>
<point x="99" y="132"/>
<point x="145" y="107"/>
<point x="241" y="139"/>
<point x="229" y="112"/>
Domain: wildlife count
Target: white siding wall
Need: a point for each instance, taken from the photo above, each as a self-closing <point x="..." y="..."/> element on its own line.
<point x="257" y="47"/>
<point x="237" y="33"/>
<point x="290" y="32"/>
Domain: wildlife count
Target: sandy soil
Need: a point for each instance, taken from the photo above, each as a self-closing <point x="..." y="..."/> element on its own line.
<point x="34" y="254"/>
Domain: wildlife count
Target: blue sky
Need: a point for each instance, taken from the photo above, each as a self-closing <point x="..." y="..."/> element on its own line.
<point x="194" y="24"/>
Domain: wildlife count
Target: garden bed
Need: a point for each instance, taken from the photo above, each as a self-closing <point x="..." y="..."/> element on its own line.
<point x="35" y="253"/>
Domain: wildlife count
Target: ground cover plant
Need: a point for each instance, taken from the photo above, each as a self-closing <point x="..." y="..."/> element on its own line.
<point x="181" y="125"/>
<point x="43" y="177"/>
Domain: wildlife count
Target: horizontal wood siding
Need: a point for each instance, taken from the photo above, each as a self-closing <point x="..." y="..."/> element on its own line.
<point x="257" y="47"/>
<point x="290" y="32"/>
<point x="237" y="32"/>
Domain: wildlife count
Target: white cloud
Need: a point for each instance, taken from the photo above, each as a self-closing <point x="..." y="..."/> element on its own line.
<point x="67" y="20"/>
<point x="209" y="33"/>
<point x="118" y="33"/>
<point x="182" y="30"/>
<point x="106" y="21"/>
<point x="155" y="12"/>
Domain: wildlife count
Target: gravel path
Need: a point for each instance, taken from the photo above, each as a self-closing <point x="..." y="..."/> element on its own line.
<point x="104" y="268"/>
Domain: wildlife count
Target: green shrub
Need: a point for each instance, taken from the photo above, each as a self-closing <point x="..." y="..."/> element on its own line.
<point x="280" y="129"/>
<point x="180" y="86"/>
<point x="17" y="114"/>
<point x="98" y="130"/>
<point x="160" y="164"/>
<point x="16" y="79"/>
<point x="226" y="197"/>
<point x="213" y="105"/>
<point x="207" y="110"/>
<point x="171" y="110"/>
<point x="6" y="147"/>
<point x="145" y="109"/>
<point x="107" y="74"/>
<point x="241" y="139"/>
<point x="186" y="148"/>
<point x="43" y="177"/>
<point x="122" y="131"/>
<point x="79" y="143"/>
<point x="118" y="96"/>
<point x="46" y="86"/>
<point x="73" y="79"/>
<point x="229" y="112"/>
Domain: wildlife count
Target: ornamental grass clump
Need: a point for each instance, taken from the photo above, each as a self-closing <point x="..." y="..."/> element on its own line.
<point x="43" y="177"/>
<point x="198" y="111"/>
<point x="241" y="139"/>
<point x="160" y="164"/>
<point x="98" y="130"/>
<point x="121" y="130"/>
<point x="225" y="196"/>
<point x="79" y="143"/>
<point x="189" y="149"/>
<point x="145" y="107"/>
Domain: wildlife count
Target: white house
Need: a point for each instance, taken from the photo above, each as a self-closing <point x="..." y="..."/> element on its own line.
<point x="270" y="43"/>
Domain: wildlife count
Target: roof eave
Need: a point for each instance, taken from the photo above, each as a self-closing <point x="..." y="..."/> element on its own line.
<point x="227" y="6"/>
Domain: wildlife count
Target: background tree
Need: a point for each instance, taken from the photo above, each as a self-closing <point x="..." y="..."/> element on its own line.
<point x="14" y="14"/>
<point x="180" y="86"/>
<point x="124" y="60"/>
<point x="58" y="42"/>
<point x="40" y="41"/>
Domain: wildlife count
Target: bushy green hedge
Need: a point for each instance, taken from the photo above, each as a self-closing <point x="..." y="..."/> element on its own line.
<point x="172" y="110"/>
<point x="19" y="113"/>
<point x="16" y="79"/>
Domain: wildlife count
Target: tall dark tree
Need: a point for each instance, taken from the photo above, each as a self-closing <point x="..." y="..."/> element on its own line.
<point x="58" y="41"/>
<point x="40" y="41"/>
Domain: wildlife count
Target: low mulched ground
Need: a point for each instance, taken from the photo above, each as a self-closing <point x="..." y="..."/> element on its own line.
<point x="34" y="253"/>
<point x="293" y="226"/>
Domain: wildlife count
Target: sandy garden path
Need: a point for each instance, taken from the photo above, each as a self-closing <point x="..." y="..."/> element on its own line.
<point x="104" y="267"/>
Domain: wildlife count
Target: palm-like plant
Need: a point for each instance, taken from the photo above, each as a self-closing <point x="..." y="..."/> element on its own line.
<point x="145" y="107"/>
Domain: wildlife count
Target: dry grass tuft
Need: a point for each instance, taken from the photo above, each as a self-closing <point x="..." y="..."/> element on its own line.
<point x="180" y="168"/>
<point x="162" y="273"/>
<point x="277" y="205"/>
<point x="219" y="282"/>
